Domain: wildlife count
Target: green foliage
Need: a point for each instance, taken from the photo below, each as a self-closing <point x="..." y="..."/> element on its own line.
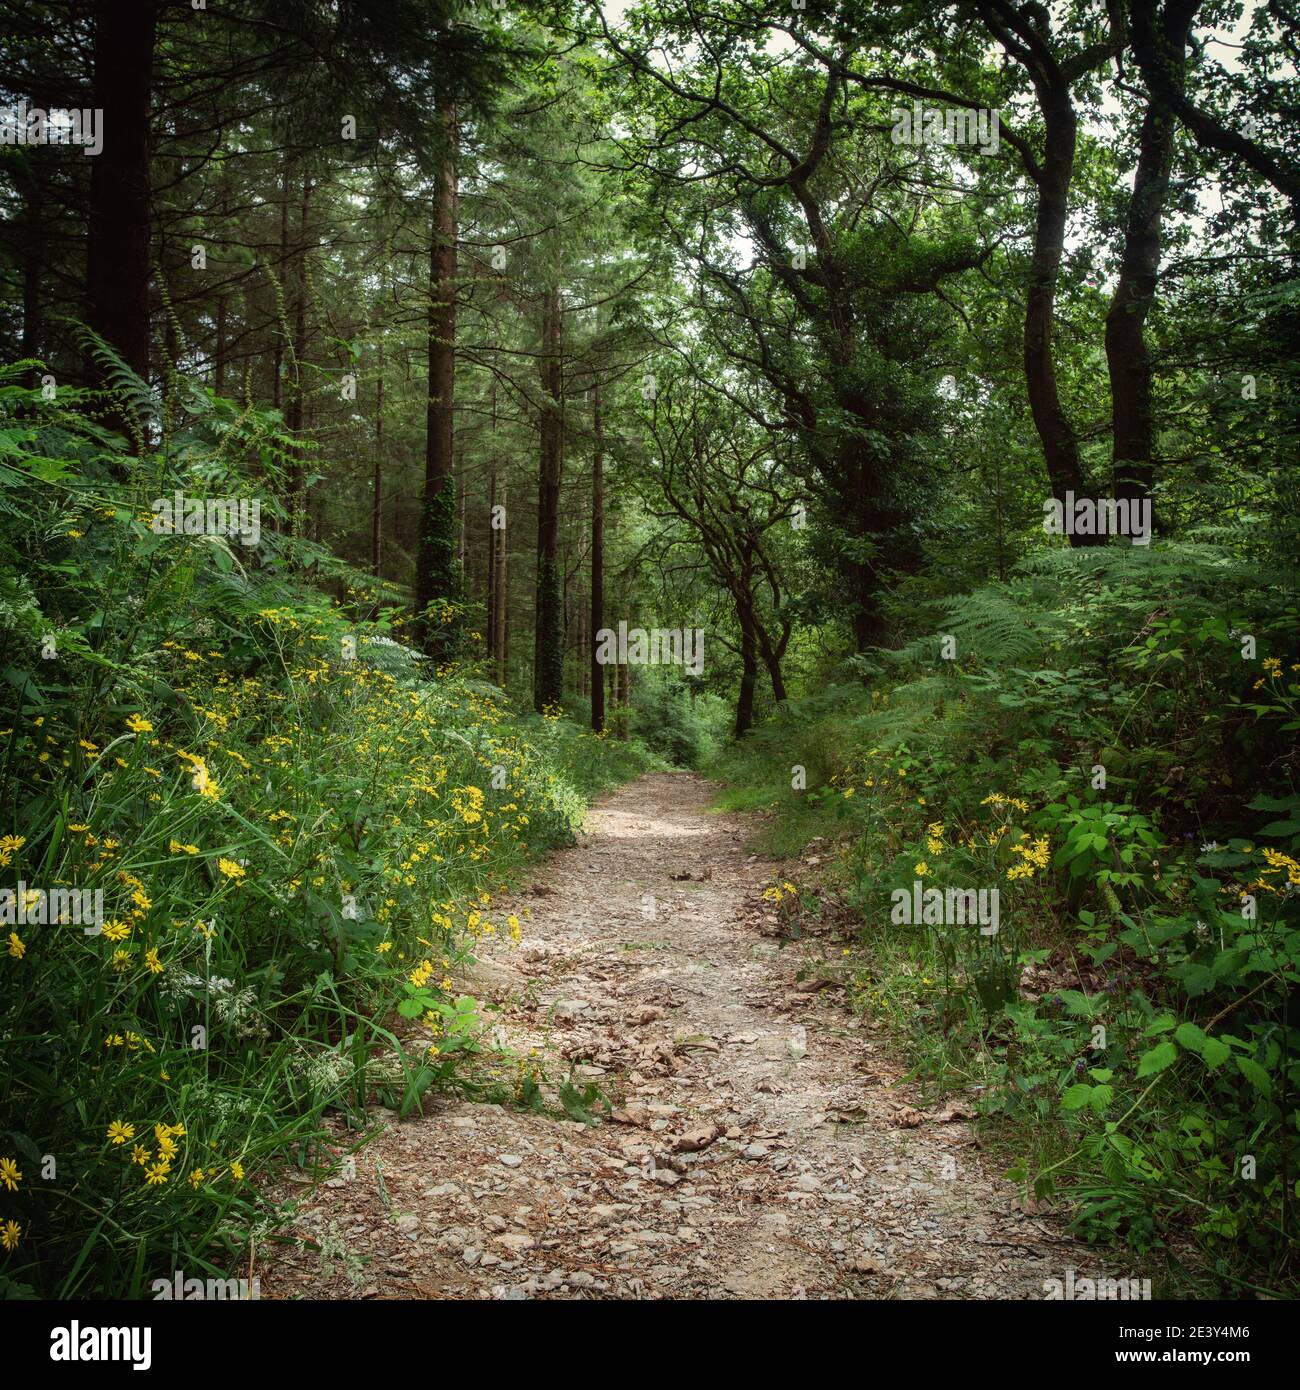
<point x="297" y="833"/>
<point x="1119" y="762"/>
<point x="682" y="726"/>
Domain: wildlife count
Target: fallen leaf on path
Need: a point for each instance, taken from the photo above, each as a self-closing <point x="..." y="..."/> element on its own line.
<point x="955" y="1111"/>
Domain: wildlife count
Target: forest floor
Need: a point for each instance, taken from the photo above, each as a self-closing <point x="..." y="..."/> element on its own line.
<point x="761" y="1144"/>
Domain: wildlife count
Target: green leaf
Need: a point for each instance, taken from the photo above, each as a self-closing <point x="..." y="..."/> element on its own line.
<point x="1256" y="1075"/>
<point x="420" y="1082"/>
<point x="1191" y="1037"/>
<point x="1076" y="1097"/>
<point x="578" y="1104"/>
<point x="1163" y="1055"/>
<point x="1282" y="827"/>
<point x="1114" y="1166"/>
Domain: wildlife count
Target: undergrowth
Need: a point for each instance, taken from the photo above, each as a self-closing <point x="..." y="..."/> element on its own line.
<point x="1108" y="740"/>
<point x="296" y="829"/>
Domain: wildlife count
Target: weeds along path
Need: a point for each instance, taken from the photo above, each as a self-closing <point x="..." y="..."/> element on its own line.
<point x="759" y="1145"/>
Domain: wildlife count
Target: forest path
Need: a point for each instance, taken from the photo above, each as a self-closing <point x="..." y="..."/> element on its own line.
<point x="759" y="1148"/>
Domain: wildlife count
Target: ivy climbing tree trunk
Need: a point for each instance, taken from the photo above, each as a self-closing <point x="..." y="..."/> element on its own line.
<point x="281" y="261"/>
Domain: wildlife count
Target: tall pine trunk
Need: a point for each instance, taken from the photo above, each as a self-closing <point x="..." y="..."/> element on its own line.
<point x="120" y="229"/>
<point x="548" y="657"/>
<point x="377" y="500"/>
<point x="490" y="578"/>
<point x="501" y="629"/>
<point x="435" y="561"/>
<point x="490" y="588"/>
<point x="297" y="474"/>
<point x="277" y="361"/>
<point x="597" y="566"/>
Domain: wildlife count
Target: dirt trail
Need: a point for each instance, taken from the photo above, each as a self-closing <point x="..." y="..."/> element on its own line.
<point x="823" y="1180"/>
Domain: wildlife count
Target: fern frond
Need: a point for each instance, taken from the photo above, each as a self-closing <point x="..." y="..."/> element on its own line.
<point x="128" y="388"/>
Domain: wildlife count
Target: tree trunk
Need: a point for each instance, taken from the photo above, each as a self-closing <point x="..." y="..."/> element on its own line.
<point x="219" y="353"/>
<point x="625" y="695"/>
<point x="30" y="344"/>
<point x="462" y="551"/>
<point x="120" y="225"/>
<point x="1160" y="51"/>
<point x="1060" y="449"/>
<point x="377" y="500"/>
<point x="597" y="566"/>
<point x="502" y="628"/>
<point x="1127" y="357"/>
<point x="277" y="364"/>
<point x="490" y="592"/>
<point x="548" y="663"/>
<point x="490" y="578"/>
<point x="867" y="523"/>
<point x="435" y="563"/>
<point x="748" y="679"/>
<point x="297" y="475"/>
<point x="772" y="660"/>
